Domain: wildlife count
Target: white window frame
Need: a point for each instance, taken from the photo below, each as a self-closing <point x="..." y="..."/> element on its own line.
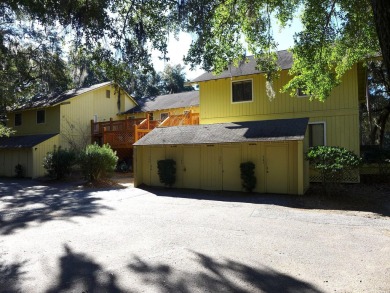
<point x="319" y="122"/>
<point x="36" y="116"/>
<point x="302" y="96"/>
<point x="231" y="90"/>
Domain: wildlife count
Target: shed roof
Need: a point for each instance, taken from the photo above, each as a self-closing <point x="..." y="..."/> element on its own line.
<point x="23" y="141"/>
<point x="252" y="131"/>
<point x="164" y="102"/>
<point x="284" y="61"/>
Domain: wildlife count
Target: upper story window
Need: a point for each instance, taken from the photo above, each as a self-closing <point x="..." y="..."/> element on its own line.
<point x="108" y="94"/>
<point x="317" y="134"/>
<point x="242" y="91"/>
<point x="150" y="116"/>
<point x="41" y="116"/>
<point x="302" y="92"/>
<point x="18" y="119"/>
<point x="164" y="116"/>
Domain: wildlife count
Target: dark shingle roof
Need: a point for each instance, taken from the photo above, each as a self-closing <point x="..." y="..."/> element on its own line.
<point x="164" y="102"/>
<point x="285" y="61"/>
<point x="23" y="141"/>
<point x="41" y="101"/>
<point x="252" y="131"/>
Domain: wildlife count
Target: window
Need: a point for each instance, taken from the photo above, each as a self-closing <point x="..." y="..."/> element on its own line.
<point x="317" y="134"/>
<point x="242" y="91"/>
<point x="18" y="119"/>
<point x="164" y="116"/>
<point x="150" y="116"/>
<point x="40" y="116"/>
<point x="108" y="94"/>
<point x="302" y="92"/>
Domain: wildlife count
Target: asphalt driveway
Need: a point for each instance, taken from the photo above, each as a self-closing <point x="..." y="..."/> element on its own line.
<point x="59" y="238"/>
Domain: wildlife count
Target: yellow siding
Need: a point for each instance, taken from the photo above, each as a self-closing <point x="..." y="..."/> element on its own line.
<point x="39" y="152"/>
<point x="76" y="116"/>
<point x="217" y="165"/>
<point x="340" y="111"/>
<point x="29" y="122"/>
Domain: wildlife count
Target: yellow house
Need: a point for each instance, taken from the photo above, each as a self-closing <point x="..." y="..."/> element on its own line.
<point x="159" y="108"/>
<point x="62" y="120"/>
<point x="238" y="95"/>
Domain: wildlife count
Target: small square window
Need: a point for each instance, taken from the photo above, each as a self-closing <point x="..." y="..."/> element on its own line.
<point x="18" y="119"/>
<point x="242" y="91"/>
<point x="164" y="116"/>
<point x="40" y="116"/>
<point x="316" y="134"/>
<point x="108" y="94"/>
<point x="301" y="93"/>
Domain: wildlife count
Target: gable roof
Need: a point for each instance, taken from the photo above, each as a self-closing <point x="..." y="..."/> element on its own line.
<point x="23" y="141"/>
<point x="284" y="61"/>
<point x="164" y="102"/>
<point x="251" y="131"/>
<point x="43" y="101"/>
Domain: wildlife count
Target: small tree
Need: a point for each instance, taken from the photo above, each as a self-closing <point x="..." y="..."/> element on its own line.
<point x="332" y="162"/>
<point x="59" y="163"/>
<point x="167" y="171"/>
<point x="248" y="178"/>
<point x="97" y="162"/>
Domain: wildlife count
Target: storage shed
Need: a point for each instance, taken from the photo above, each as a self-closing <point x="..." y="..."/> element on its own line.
<point x="209" y="156"/>
<point x="26" y="150"/>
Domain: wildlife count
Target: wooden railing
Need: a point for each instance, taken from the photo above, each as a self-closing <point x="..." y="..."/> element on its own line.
<point x="124" y="133"/>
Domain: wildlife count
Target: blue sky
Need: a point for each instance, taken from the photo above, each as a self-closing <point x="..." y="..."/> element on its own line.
<point x="178" y="48"/>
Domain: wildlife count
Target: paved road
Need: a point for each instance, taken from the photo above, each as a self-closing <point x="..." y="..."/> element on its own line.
<point x="57" y="238"/>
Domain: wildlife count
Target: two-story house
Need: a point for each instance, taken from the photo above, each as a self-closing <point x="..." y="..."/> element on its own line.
<point x="61" y="120"/>
<point x="240" y="123"/>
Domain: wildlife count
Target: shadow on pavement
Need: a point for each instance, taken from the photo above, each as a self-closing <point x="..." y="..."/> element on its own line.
<point x="217" y="276"/>
<point x="352" y="197"/>
<point x="80" y="273"/>
<point x="10" y="277"/>
<point x="22" y="203"/>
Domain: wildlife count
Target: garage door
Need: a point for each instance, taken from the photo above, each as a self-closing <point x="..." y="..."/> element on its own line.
<point x="231" y="160"/>
<point x="276" y="168"/>
<point x="191" y="167"/>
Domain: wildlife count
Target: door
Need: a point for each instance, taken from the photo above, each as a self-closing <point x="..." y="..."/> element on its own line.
<point x="191" y="167"/>
<point x="276" y="168"/>
<point x="231" y="160"/>
<point x="156" y="154"/>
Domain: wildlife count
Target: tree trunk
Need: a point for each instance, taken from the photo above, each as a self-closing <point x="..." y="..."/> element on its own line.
<point x="381" y="11"/>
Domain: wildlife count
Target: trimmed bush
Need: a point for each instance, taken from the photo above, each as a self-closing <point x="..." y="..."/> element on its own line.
<point x="167" y="171"/>
<point x="97" y="162"/>
<point x="332" y="162"/>
<point x="59" y="163"/>
<point x="248" y="179"/>
<point x="19" y="172"/>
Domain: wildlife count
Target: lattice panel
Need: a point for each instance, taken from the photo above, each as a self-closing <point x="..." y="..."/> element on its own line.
<point x="351" y="177"/>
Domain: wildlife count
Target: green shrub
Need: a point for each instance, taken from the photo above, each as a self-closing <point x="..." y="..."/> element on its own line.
<point x="332" y="162"/>
<point x="19" y="172"/>
<point x="59" y="163"/>
<point x="97" y="162"/>
<point x="248" y="179"/>
<point x="167" y="171"/>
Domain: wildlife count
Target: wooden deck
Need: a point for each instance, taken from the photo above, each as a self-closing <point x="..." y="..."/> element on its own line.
<point x="124" y="133"/>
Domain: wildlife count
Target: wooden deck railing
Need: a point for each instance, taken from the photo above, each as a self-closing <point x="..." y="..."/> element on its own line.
<point x="124" y="133"/>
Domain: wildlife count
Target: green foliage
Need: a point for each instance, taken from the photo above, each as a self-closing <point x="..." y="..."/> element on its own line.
<point x="332" y="162"/>
<point x="248" y="176"/>
<point x="97" y="162"/>
<point x="59" y="163"/>
<point x="19" y="172"/>
<point x="167" y="171"/>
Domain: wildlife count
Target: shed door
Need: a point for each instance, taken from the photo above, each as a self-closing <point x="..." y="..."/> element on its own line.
<point x="191" y="167"/>
<point x="276" y="168"/>
<point x="156" y="154"/>
<point x="231" y="159"/>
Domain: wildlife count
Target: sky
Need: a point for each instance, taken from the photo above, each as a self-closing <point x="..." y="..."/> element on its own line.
<point x="178" y="48"/>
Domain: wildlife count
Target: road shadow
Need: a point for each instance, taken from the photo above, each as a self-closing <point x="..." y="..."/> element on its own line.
<point x="24" y="202"/>
<point x="10" y="277"/>
<point x="80" y="273"/>
<point x="350" y="197"/>
<point x="217" y="276"/>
